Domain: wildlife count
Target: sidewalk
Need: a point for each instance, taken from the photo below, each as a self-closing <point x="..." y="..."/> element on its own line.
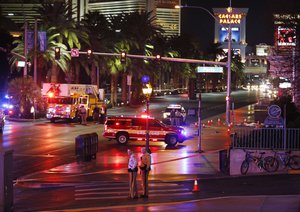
<point x="182" y="164"/>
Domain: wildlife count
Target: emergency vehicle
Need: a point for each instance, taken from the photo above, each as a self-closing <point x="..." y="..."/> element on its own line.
<point x="128" y="128"/>
<point x="64" y="100"/>
<point x="176" y="107"/>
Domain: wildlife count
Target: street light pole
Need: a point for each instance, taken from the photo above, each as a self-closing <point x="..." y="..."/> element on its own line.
<point x="147" y="90"/>
<point x="147" y="125"/>
<point x="228" y="97"/>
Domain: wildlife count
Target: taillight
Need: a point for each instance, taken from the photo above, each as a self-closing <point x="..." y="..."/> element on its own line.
<point x="105" y="127"/>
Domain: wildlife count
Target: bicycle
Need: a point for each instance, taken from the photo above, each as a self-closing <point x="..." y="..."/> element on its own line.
<point x="287" y="160"/>
<point x="269" y="163"/>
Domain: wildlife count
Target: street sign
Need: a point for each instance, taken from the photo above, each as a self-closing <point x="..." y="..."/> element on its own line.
<point x="273" y="121"/>
<point x="209" y="69"/>
<point x="274" y="111"/>
<point x="274" y="118"/>
<point x="74" y="52"/>
<point x="20" y="63"/>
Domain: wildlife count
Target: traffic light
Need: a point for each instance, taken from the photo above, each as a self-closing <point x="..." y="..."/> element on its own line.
<point x="123" y="57"/>
<point x="57" y="53"/>
<point x="89" y="53"/>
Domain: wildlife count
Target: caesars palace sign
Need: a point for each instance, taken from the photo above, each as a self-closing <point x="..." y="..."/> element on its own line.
<point x="233" y="18"/>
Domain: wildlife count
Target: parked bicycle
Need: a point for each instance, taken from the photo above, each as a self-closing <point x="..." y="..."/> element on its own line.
<point x="269" y="163"/>
<point x="287" y="160"/>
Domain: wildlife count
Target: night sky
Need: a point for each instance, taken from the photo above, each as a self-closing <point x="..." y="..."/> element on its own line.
<point x="259" y="22"/>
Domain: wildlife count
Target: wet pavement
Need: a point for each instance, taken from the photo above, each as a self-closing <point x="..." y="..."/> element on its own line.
<point x="99" y="186"/>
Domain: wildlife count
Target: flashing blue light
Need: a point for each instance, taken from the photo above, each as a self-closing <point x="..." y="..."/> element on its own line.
<point x="145" y="78"/>
<point x="8" y="106"/>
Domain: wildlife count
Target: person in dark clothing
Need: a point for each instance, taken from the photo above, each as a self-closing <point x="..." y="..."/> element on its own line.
<point x="96" y="113"/>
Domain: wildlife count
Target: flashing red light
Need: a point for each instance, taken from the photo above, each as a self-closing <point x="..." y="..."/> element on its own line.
<point x="117" y="123"/>
<point x="50" y="94"/>
<point x="123" y="57"/>
<point x="158" y="57"/>
<point x="144" y="116"/>
<point x="10" y="112"/>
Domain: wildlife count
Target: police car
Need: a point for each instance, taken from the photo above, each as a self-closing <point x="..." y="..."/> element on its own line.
<point x="128" y="128"/>
<point x="177" y="107"/>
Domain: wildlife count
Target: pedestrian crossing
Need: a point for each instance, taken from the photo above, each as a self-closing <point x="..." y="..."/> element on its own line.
<point x="120" y="190"/>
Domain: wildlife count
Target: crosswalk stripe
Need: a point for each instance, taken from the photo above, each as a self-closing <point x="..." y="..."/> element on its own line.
<point x="110" y="187"/>
<point x="121" y="192"/>
<point x="123" y="197"/>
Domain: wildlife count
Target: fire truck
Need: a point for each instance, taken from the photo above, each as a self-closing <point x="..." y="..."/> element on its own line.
<point x="64" y="100"/>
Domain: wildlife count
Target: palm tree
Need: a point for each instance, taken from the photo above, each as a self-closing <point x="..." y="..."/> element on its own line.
<point x="98" y="28"/>
<point x="25" y="93"/>
<point x="57" y="16"/>
<point x="135" y="23"/>
<point x="5" y="45"/>
<point x="237" y="67"/>
<point x="47" y="58"/>
<point x="185" y="47"/>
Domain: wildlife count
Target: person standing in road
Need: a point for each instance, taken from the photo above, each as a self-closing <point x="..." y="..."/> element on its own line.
<point x="178" y="117"/>
<point x="82" y="112"/>
<point x="96" y="113"/>
<point x="145" y="167"/>
<point x="172" y="117"/>
<point x="132" y="170"/>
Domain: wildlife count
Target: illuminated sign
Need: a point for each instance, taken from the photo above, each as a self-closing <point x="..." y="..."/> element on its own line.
<point x="233" y="18"/>
<point x="286" y="36"/>
<point x="20" y="63"/>
<point x="235" y="34"/>
<point x="209" y="69"/>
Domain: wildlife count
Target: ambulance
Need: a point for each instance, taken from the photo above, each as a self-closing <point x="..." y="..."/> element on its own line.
<point x="64" y="100"/>
<point x="125" y="128"/>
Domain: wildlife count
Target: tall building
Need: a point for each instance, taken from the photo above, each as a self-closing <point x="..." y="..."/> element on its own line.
<point x="167" y="16"/>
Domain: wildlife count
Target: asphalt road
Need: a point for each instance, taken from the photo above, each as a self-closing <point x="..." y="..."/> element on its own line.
<point x="40" y="145"/>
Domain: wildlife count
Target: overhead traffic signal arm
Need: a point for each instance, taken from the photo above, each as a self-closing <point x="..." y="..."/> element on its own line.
<point x="171" y="59"/>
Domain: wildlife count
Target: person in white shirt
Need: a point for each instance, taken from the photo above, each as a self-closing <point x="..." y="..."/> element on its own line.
<point x="132" y="170"/>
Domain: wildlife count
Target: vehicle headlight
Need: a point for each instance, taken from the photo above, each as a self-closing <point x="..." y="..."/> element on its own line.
<point x="51" y="110"/>
<point x="183" y="132"/>
<point x="68" y="109"/>
<point x="165" y="115"/>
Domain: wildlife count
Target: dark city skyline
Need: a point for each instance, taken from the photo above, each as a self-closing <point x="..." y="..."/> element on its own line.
<point x="259" y="20"/>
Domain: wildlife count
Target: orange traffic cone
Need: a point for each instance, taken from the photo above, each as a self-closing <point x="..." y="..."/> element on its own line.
<point x="196" y="188"/>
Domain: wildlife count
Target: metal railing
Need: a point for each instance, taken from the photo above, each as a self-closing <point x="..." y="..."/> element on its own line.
<point x="266" y="138"/>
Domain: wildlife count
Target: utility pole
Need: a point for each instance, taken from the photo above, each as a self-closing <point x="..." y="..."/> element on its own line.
<point x="25" y="48"/>
<point x="35" y="52"/>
